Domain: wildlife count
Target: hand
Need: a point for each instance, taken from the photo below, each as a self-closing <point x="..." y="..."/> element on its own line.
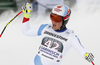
<point x="27" y="8"/>
<point x="89" y="57"/>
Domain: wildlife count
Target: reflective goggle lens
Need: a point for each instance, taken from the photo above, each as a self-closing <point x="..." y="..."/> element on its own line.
<point x="56" y="18"/>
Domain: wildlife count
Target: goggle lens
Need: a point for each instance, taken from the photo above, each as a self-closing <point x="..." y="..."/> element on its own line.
<point x="56" y="18"/>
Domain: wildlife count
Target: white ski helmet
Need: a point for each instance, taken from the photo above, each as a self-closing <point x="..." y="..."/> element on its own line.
<point x="63" y="11"/>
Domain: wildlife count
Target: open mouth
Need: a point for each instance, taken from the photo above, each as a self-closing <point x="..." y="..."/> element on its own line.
<point x="54" y="25"/>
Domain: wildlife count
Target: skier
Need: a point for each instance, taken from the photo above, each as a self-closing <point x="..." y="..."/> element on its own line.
<point x="57" y="39"/>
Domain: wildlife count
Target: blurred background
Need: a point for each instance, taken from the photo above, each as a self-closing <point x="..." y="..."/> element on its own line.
<point x="17" y="49"/>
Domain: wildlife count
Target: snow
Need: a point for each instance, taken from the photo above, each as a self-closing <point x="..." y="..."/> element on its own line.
<point x="17" y="49"/>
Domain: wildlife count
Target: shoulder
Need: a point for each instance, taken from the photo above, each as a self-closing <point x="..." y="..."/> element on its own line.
<point x="71" y="33"/>
<point x="42" y="27"/>
<point x="68" y="31"/>
<point x="45" y="25"/>
<point x="73" y="36"/>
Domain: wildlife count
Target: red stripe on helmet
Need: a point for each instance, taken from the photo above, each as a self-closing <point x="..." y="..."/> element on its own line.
<point x="67" y="16"/>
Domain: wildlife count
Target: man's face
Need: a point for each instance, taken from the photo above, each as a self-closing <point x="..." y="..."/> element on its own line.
<point x="56" y="21"/>
<point x="56" y="25"/>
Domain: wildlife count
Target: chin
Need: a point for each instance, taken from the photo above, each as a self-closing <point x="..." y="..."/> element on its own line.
<point x="55" y="29"/>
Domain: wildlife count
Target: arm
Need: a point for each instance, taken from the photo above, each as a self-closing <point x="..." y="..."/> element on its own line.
<point x="35" y="31"/>
<point x="27" y="8"/>
<point x="76" y="44"/>
<point x="26" y="29"/>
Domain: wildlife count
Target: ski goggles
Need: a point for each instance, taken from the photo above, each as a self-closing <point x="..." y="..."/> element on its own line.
<point x="56" y="18"/>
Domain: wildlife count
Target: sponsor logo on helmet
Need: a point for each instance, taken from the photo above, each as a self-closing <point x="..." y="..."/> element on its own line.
<point x="57" y="10"/>
<point x="59" y="6"/>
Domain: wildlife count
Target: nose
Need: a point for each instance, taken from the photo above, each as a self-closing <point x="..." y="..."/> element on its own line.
<point x="53" y="22"/>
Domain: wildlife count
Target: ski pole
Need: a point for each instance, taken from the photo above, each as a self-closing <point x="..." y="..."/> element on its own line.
<point x="93" y="63"/>
<point x="9" y="23"/>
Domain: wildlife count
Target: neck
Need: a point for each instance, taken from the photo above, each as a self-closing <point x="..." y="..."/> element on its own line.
<point x="61" y="28"/>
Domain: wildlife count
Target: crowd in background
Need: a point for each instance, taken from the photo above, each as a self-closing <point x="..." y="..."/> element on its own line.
<point x="41" y="6"/>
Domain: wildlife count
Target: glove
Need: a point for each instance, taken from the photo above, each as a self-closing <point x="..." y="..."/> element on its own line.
<point x="89" y="57"/>
<point x="27" y="8"/>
